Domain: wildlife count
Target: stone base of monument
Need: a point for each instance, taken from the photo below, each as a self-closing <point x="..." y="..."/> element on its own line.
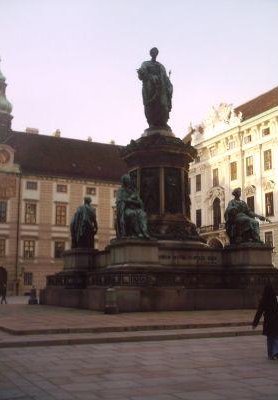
<point x="79" y="259"/>
<point x="150" y="275"/>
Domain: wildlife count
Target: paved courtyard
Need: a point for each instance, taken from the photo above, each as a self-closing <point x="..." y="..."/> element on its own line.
<point x="130" y="357"/>
<point x="208" y="369"/>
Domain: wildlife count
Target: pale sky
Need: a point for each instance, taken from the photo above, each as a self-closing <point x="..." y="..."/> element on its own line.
<point x="71" y="64"/>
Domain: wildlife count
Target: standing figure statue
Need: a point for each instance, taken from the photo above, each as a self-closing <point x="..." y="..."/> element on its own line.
<point x="241" y="225"/>
<point x="84" y="225"/>
<point x="157" y="91"/>
<point x="131" y="217"/>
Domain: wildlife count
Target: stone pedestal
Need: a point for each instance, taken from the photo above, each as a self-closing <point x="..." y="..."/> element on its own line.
<point x="79" y="259"/>
<point x="153" y="275"/>
<point x="158" y="164"/>
<point x="247" y="255"/>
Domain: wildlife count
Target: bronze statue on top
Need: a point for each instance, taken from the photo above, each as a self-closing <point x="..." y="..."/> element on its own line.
<point x="241" y="225"/>
<point x="157" y="92"/>
<point x="84" y="226"/>
<point x="131" y="217"/>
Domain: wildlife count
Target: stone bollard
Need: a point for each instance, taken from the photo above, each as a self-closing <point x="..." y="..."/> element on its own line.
<point x="33" y="296"/>
<point x="111" y="306"/>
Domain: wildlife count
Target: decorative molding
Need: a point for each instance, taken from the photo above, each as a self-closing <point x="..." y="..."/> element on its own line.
<point x="250" y="190"/>
<point x="268" y="184"/>
<point x="214" y="192"/>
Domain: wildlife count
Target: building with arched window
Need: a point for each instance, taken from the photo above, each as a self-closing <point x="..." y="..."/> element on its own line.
<point x="237" y="147"/>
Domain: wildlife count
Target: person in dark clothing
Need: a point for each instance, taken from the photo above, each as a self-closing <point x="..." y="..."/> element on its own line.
<point x="268" y="307"/>
<point x="3" y="290"/>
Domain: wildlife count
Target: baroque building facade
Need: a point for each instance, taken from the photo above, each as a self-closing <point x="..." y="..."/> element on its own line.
<point x="43" y="180"/>
<point x="237" y="147"/>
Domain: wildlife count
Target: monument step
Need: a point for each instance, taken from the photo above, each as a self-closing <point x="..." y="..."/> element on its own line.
<point x="58" y="339"/>
<point x="131" y="328"/>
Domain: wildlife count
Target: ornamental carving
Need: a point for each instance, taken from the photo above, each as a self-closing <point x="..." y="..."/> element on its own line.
<point x="216" y="192"/>
<point x="268" y="184"/>
<point x="250" y="190"/>
<point x="224" y="113"/>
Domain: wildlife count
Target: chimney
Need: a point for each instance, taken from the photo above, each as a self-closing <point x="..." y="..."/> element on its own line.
<point x="33" y="131"/>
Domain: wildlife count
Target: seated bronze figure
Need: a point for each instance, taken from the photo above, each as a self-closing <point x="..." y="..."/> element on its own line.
<point x="241" y="223"/>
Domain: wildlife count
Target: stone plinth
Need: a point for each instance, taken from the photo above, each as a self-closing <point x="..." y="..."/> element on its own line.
<point x="133" y="252"/>
<point x="248" y="255"/>
<point x="79" y="259"/>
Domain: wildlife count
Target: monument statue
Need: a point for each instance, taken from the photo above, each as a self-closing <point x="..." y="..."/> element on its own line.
<point x="157" y="91"/>
<point x="131" y="217"/>
<point x="241" y="225"/>
<point x="84" y="226"/>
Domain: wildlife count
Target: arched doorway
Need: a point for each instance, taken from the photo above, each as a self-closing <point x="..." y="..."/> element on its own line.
<point x="216" y="213"/>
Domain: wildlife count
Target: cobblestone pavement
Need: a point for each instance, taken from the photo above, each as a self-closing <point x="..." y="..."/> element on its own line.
<point x="199" y="369"/>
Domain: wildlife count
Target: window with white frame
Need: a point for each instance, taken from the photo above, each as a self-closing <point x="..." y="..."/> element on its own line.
<point x="91" y="191"/>
<point x="2" y="247"/>
<point x="61" y="214"/>
<point x="3" y="211"/>
<point x="59" y="248"/>
<point x="28" y="278"/>
<point x="267" y="160"/>
<point x="29" y="249"/>
<point x="249" y="165"/>
<point x="30" y="213"/>
<point x="61" y="188"/>
<point x="31" y="185"/>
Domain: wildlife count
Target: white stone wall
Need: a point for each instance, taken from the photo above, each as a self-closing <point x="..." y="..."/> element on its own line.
<point x="218" y="144"/>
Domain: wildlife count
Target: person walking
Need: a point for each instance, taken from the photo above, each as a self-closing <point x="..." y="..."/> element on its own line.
<point x="3" y="293"/>
<point x="268" y="307"/>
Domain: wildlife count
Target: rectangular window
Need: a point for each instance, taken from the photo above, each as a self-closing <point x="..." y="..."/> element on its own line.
<point x="249" y="166"/>
<point x="61" y="188"/>
<point x="268" y="238"/>
<point x="29" y="249"/>
<point x="231" y="145"/>
<point x="265" y="131"/>
<point x="61" y="214"/>
<point x="251" y="203"/>
<point x="115" y="193"/>
<point x="215" y="177"/>
<point x="30" y="213"/>
<point x="198" y="183"/>
<point x="233" y="170"/>
<point x="32" y="185"/>
<point x="197" y="159"/>
<point x="59" y="248"/>
<point x="199" y="218"/>
<point x="91" y="191"/>
<point x="269" y="209"/>
<point x="247" y="139"/>
<point x="28" y="278"/>
<point x="3" y="212"/>
<point x="267" y="160"/>
<point x="2" y="247"/>
<point x="189" y="186"/>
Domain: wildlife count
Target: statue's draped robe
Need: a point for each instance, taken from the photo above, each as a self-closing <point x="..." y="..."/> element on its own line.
<point x="157" y="93"/>
<point x="131" y="218"/>
<point x="83" y="227"/>
<point x="241" y="224"/>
